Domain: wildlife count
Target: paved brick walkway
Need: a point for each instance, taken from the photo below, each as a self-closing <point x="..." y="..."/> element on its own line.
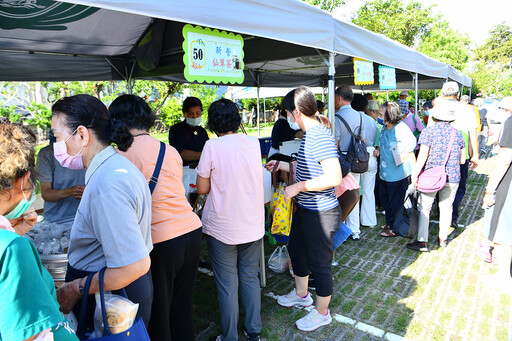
<point x="385" y="291"/>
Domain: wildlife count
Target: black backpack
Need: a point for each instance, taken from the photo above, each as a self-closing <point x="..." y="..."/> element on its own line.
<point x="357" y="157"/>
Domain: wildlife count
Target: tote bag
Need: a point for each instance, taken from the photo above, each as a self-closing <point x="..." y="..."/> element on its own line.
<point x="137" y="332"/>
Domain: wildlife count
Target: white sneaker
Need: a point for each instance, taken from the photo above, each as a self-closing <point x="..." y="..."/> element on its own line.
<point x="313" y="321"/>
<point x="292" y="299"/>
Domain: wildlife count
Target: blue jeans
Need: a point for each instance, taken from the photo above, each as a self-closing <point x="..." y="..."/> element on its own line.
<point x="237" y="266"/>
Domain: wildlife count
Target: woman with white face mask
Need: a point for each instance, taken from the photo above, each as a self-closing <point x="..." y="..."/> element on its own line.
<point x="27" y="291"/>
<point x="188" y="137"/>
<point x="112" y="226"/>
<point x="283" y="130"/>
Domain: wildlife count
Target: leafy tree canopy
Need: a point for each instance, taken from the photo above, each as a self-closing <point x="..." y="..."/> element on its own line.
<point x="492" y="72"/>
<point x="446" y="45"/>
<point x="406" y="24"/>
<point x="326" y="5"/>
<point x="497" y="48"/>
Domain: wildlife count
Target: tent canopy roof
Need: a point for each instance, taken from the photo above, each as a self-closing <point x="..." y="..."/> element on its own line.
<point x="286" y="42"/>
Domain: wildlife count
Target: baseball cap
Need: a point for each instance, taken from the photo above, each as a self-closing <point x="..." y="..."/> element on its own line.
<point x="465" y="98"/>
<point x="404" y="93"/>
<point x="450" y="87"/>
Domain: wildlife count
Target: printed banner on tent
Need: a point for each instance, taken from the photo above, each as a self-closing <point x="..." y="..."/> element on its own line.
<point x="387" y="77"/>
<point x="363" y="72"/>
<point x="212" y="56"/>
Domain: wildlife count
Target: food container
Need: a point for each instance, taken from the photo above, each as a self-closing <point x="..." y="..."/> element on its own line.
<point x="56" y="266"/>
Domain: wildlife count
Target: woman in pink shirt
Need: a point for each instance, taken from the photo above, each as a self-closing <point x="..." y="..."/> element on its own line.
<point x="231" y="173"/>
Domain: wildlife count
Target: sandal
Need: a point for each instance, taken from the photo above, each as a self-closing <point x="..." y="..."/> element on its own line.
<point x="385" y="227"/>
<point x="388" y="234"/>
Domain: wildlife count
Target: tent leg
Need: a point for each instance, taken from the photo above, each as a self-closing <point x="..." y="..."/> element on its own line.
<point x="129" y="86"/>
<point x="387" y="95"/>
<point x="470" y="93"/>
<point x="264" y="113"/>
<point x="258" y="111"/>
<point x="331" y="88"/>
<point x="416" y="93"/>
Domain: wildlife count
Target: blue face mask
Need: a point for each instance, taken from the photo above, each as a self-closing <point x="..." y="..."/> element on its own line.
<point x="380" y="121"/>
<point x="23" y="205"/>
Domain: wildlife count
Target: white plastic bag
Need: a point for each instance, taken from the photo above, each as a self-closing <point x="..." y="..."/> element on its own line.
<point x="278" y="261"/>
<point x="121" y="314"/>
<point x="73" y="322"/>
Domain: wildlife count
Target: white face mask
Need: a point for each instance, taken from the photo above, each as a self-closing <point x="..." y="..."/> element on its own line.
<point x="293" y="125"/>
<point x="194" y="121"/>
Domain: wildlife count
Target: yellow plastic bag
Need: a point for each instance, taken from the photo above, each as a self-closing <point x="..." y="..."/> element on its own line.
<point x="282" y="211"/>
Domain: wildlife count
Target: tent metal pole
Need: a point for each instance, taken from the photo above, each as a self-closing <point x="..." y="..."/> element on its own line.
<point x="264" y="112"/>
<point x="130" y="81"/>
<point x="258" y="109"/>
<point x="387" y="95"/>
<point x="416" y="93"/>
<point x="470" y="93"/>
<point x="331" y="88"/>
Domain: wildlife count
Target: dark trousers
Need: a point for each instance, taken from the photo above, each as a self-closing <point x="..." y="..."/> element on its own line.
<point x="392" y="195"/>
<point x="310" y="245"/>
<point x="174" y="269"/>
<point x="461" y="191"/>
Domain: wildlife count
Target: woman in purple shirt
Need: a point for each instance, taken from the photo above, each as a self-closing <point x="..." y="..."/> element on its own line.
<point x="433" y="141"/>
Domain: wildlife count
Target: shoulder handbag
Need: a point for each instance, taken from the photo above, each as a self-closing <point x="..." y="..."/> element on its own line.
<point x="156" y="173"/>
<point x="433" y="179"/>
<point x="137" y="332"/>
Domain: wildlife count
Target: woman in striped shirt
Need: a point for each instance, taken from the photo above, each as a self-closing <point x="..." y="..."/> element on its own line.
<point x="318" y="214"/>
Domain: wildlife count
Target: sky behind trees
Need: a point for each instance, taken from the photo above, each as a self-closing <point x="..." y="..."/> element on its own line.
<point x="474" y="17"/>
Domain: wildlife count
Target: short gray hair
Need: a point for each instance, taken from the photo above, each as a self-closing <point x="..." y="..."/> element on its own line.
<point x="373" y="105"/>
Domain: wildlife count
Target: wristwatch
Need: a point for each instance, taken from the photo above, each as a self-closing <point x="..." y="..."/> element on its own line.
<point x="80" y="287"/>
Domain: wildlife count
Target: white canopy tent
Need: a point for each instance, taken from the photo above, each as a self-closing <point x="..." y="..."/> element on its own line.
<point x="286" y="43"/>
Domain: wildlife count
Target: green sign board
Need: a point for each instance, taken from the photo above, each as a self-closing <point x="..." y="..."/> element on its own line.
<point x="212" y="56"/>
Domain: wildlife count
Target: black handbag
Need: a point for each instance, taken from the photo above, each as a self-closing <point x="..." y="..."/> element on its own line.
<point x="137" y="332"/>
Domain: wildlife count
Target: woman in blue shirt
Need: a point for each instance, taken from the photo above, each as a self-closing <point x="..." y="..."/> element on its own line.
<point x="318" y="214"/>
<point x="397" y="144"/>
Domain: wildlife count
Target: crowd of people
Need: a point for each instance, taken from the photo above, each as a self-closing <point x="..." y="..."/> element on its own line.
<point x="131" y="215"/>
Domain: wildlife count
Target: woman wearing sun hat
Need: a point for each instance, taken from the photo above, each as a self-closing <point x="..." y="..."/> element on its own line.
<point x="433" y="150"/>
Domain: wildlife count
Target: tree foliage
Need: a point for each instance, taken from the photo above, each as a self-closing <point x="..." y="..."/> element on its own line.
<point x="41" y="115"/>
<point x="492" y="72"/>
<point x="446" y="45"/>
<point x="10" y="113"/>
<point x="406" y="24"/>
<point x="326" y="5"/>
